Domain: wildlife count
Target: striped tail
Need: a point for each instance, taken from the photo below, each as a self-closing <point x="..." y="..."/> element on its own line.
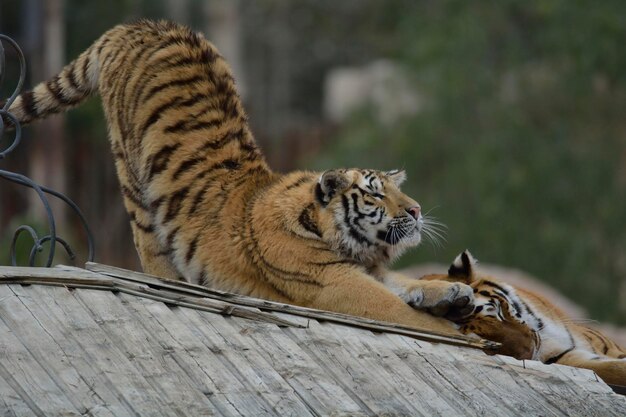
<point x="75" y="83"/>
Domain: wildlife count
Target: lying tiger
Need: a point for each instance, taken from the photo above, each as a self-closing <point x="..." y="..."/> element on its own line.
<point x="205" y="207"/>
<point x="530" y="327"/>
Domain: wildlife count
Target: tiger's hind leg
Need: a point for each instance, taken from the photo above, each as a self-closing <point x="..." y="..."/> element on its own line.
<point x="153" y="255"/>
<point x="154" y="259"/>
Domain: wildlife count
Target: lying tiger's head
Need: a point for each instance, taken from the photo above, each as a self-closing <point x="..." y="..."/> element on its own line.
<point x="366" y="215"/>
<point x="500" y="314"/>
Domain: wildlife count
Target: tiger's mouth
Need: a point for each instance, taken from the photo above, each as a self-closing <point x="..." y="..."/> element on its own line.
<point x="402" y="231"/>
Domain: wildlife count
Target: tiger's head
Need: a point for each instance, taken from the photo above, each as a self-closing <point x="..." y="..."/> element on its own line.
<point x="500" y="314"/>
<point x="367" y="218"/>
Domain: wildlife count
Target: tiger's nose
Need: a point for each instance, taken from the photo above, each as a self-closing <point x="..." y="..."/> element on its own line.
<point x="414" y="211"/>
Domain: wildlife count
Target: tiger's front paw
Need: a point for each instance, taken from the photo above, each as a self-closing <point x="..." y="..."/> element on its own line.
<point x="452" y="300"/>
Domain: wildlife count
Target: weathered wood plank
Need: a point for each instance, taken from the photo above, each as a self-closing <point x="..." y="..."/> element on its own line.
<point x="310" y="382"/>
<point x="126" y="349"/>
<point x="173" y="387"/>
<point x="202" y="365"/>
<point x="522" y="389"/>
<point x="362" y="383"/>
<point x="22" y="371"/>
<point x="40" y="333"/>
<point x="375" y="350"/>
<point x="59" y="273"/>
<point x="245" y="363"/>
<point x="199" y="303"/>
<point x="570" y="388"/>
<point x="442" y="371"/>
<point x="273" y="343"/>
<point x="14" y="403"/>
<point x="105" y="356"/>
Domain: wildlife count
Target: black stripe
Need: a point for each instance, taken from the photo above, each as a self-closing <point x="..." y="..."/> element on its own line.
<point x="187" y="165"/>
<point x="28" y="103"/>
<point x="559" y="356"/>
<point x="105" y="41"/>
<point x="298" y="276"/>
<point x="352" y="232"/>
<point x="186" y="126"/>
<point x="132" y="65"/>
<point x="199" y="197"/>
<point x="319" y="195"/>
<point x="146" y="229"/>
<point x="156" y="204"/>
<point x="175" y="204"/>
<point x="85" y="69"/>
<point x="110" y="59"/>
<point x="186" y="61"/>
<point x="497" y="286"/>
<point x="160" y="160"/>
<point x="203" y="279"/>
<point x="600" y="337"/>
<point x="337" y="262"/>
<point x="225" y="139"/>
<point x="302" y="180"/>
<point x="132" y="196"/>
<point x="143" y="83"/>
<point x="509" y="299"/>
<point x="71" y="77"/>
<point x="359" y="215"/>
<point x="229" y="163"/>
<point x="254" y="252"/>
<point x="173" y="83"/>
<point x="169" y="240"/>
<point x="306" y="220"/>
<point x="230" y="105"/>
<point x="540" y="323"/>
<point x="156" y="114"/>
<point x="176" y="101"/>
<point x="192" y="248"/>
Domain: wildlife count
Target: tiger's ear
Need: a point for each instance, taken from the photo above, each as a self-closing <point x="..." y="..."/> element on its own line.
<point x="396" y="176"/>
<point x="463" y="267"/>
<point x="330" y="184"/>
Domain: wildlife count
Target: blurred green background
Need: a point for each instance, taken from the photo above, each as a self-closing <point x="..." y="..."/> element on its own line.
<point x="514" y="128"/>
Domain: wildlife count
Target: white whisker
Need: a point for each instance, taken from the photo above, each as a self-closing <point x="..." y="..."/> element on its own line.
<point x="428" y="212"/>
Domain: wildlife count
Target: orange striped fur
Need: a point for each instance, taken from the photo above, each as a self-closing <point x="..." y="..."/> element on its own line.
<point x="205" y="206"/>
<point x="531" y="327"/>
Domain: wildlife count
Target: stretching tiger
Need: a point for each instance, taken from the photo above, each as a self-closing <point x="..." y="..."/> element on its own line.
<point x="530" y="327"/>
<point x="204" y="205"/>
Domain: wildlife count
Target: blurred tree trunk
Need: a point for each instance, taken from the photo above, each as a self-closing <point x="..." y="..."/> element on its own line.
<point x="223" y="28"/>
<point x="47" y="163"/>
<point x="279" y="80"/>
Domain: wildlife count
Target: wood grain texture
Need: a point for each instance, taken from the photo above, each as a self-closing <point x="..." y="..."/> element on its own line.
<point x="82" y="343"/>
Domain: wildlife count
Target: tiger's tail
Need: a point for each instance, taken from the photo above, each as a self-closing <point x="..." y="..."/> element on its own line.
<point x="74" y="84"/>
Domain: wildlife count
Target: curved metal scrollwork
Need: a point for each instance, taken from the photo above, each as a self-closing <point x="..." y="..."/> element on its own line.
<point x="51" y="238"/>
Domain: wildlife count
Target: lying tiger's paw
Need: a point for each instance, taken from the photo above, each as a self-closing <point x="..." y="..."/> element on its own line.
<point x="452" y="300"/>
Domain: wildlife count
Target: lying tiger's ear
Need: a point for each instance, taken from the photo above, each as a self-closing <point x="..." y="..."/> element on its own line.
<point x="330" y="184"/>
<point x="463" y="267"/>
<point x="397" y="176"/>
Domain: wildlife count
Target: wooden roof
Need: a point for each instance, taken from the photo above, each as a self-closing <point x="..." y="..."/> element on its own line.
<point x="109" y="342"/>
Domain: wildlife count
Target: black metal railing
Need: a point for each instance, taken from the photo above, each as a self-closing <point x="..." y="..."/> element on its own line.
<point x="51" y="238"/>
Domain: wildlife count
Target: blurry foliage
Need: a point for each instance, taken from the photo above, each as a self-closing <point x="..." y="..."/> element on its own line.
<point x="522" y="146"/>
